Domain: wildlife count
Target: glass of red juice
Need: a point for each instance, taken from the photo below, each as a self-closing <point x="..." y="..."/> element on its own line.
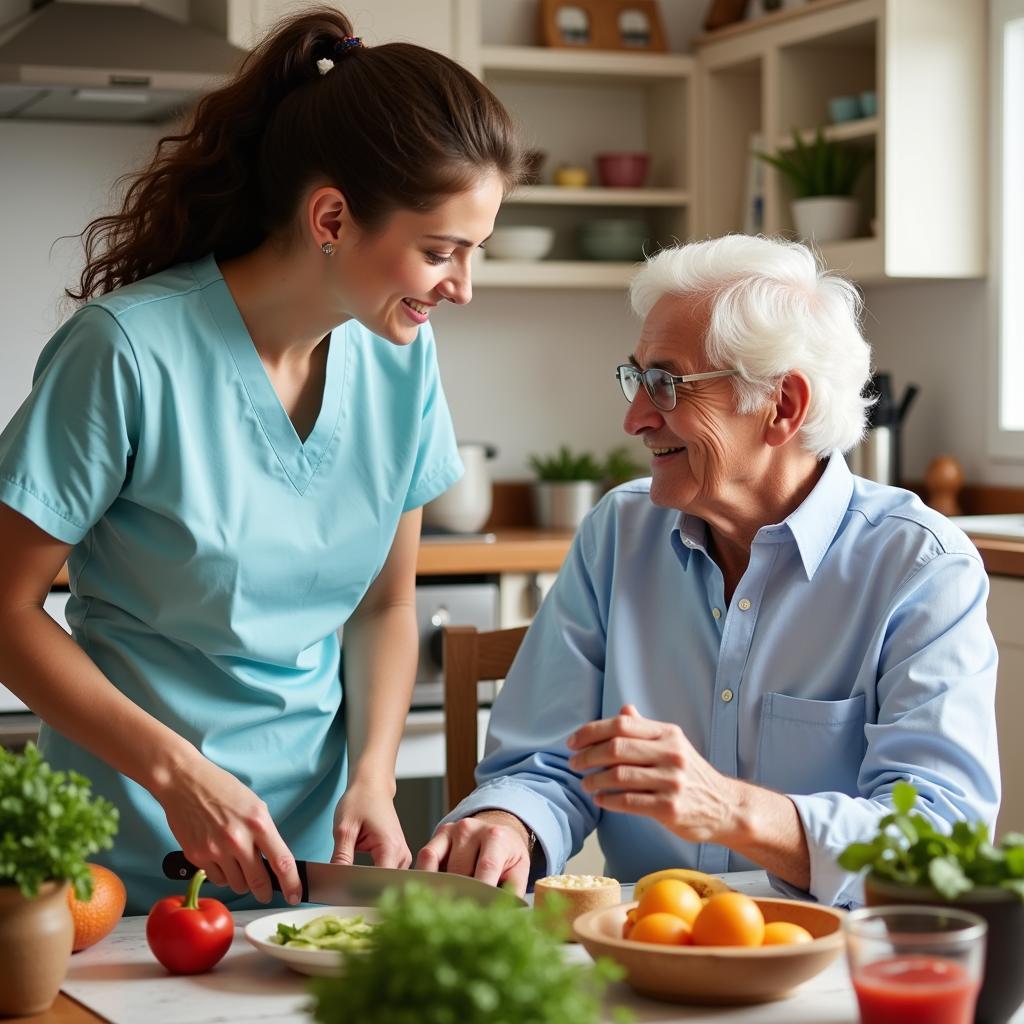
<point x="915" y="965"/>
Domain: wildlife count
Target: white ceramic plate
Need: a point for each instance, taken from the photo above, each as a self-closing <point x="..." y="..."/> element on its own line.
<point x="305" y="961"/>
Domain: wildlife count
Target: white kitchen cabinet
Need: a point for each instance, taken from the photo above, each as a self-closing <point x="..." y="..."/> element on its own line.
<point x="426" y="22"/>
<point x="1005" y="616"/>
<point x="925" y="60"/>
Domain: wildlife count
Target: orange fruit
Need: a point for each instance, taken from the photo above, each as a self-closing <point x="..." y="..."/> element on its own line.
<point x="95" y="918"/>
<point x="729" y="919"/>
<point x="627" y="925"/>
<point x="782" y="933"/>
<point x="670" y="896"/>
<point x="663" y="929"/>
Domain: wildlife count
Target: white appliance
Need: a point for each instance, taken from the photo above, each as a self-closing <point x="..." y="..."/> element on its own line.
<point x="450" y="601"/>
<point x="54" y="604"/>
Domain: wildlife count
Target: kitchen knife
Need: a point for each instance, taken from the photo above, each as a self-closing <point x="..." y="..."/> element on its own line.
<point x="356" y="885"/>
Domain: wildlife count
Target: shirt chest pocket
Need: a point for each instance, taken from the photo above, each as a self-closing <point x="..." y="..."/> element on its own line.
<point x="811" y="746"/>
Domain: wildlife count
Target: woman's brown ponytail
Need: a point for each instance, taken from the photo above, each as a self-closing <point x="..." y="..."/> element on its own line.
<point x="394" y="127"/>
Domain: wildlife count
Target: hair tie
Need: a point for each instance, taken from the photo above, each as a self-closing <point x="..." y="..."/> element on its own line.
<point x="348" y="43"/>
<point x="340" y="48"/>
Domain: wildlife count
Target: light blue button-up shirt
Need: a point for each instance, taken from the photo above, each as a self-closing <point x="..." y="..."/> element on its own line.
<point x="855" y="652"/>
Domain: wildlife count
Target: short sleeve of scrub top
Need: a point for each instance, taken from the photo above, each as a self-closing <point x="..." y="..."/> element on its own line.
<point x="215" y="553"/>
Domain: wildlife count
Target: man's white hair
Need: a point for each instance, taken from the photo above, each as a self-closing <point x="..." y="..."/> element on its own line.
<point x="773" y="310"/>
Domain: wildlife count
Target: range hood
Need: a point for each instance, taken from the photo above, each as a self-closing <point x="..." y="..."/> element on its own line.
<point x="73" y="61"/>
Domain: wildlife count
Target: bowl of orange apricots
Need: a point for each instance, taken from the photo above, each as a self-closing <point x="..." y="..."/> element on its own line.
<point x="689" y="938"/>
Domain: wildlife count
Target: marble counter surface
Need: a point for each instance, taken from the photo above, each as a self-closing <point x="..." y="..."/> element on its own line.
<point x="120" y="981"/>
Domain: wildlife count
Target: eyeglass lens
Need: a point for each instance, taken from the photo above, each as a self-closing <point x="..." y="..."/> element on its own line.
<point x="659" y="385"/>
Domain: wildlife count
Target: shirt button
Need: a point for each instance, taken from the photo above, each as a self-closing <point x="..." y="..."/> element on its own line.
<point x="744" y="605"/>
<point x="727" y="696"/>
<point x="716" y="613"/>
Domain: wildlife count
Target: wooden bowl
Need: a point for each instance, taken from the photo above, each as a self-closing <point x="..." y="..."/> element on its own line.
<point x="717" y="975"/>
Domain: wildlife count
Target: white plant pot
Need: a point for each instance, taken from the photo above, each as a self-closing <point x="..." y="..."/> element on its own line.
<point x="562" y="504"/>
<point x="826" y="218"/>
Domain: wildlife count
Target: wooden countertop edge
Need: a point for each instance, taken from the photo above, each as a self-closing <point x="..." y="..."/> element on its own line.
<point x="513" y="551"/>
<point x="1001" y="557"/>
<point x="544" y="551"/>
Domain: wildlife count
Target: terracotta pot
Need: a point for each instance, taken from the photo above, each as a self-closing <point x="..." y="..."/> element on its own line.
<point x="1002" y="990"/>
<point x="35" y="948"/>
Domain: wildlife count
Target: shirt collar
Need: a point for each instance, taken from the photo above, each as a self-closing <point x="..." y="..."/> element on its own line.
<point x="813" y="524"/>
<point x="816" y="520"/>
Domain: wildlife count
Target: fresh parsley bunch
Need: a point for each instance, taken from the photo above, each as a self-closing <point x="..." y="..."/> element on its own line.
<point x="909" y="850"/>
<point x="49" y="823"/>
<point x="441" y="960"/>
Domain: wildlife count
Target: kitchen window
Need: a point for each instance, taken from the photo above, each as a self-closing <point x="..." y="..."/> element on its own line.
<point x="1007" y="87"/>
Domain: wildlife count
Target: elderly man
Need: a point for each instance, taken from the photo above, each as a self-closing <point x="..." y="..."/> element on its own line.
<point x="744" y="653"/>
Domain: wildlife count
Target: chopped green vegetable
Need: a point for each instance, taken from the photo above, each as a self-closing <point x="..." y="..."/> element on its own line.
<point x="326" y="932"/>
<point x="909" y="850"/>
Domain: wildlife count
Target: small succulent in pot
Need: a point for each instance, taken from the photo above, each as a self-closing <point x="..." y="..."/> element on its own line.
<point x="824" y="175"/>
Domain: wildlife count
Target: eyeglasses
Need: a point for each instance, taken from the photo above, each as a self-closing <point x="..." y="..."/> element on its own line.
<point x="659" y="384"/>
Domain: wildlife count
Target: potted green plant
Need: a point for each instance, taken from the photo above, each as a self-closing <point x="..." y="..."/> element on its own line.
<point x="823" y="174"/>
<point x="437" y="959"/>
<point x="910" y="861"/>
<point x="568" y="483"/>
<point x="49" y="823"/>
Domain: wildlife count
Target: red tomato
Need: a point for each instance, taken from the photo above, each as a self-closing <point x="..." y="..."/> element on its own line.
<point x="189" y="935"/>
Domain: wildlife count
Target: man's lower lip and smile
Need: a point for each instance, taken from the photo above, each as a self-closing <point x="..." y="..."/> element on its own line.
<point x="659" y="454"/>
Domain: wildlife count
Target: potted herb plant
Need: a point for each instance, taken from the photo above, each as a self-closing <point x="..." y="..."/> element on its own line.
<point x="566" y="488"/>
<point x="823" y="174"/>
<point x="569" y="483"/>
<point x="49" y="823"/>
<point x="437" y="959"/>
<point x="910" y="861"/>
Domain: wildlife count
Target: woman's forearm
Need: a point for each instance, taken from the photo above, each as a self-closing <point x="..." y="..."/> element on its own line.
<point x="42" y="665"/>
<point x="381" y="649"/>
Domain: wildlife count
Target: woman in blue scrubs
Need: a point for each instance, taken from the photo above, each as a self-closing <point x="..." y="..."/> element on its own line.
<point x="230" y="443"/>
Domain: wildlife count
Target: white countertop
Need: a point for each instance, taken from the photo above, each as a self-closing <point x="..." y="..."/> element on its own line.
<point x="120" y="980"/>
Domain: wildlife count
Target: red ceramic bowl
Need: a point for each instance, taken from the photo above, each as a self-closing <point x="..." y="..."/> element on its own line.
<point x="622" y="170"/>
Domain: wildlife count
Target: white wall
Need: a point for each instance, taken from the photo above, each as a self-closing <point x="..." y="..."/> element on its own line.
<point x="53" y="179"/>
<point x="936" y="334"/>
<point x="526" y="370"/>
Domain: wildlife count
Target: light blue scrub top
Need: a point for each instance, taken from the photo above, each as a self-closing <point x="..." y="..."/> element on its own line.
<point x="215" y="554"/>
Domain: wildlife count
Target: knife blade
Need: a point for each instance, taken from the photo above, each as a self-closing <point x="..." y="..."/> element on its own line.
<point x="358" y="885"/>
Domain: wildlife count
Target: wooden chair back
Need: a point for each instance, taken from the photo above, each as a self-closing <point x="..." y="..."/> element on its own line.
<point x="469" y="657"/>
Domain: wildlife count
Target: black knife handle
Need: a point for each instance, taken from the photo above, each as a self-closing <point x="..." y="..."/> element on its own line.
<point x="177" y="865"/>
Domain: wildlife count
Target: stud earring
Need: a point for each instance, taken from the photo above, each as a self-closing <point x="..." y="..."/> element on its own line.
<point x="327" y="248"/>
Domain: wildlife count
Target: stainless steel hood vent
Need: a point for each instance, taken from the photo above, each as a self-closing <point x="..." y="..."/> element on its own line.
<point x="106" y="62"/>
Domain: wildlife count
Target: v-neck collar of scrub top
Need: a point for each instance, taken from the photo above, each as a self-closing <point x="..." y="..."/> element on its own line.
<point x="299" y="458"/>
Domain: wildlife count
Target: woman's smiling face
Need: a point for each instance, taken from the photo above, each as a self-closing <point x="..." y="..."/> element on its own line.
<point x="701" y="451"/>
<point x="391" y="279"/>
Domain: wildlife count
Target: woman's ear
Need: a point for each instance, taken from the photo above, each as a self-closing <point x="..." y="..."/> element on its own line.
<point x="792" y="401"/>
<point x="325" y="210"/>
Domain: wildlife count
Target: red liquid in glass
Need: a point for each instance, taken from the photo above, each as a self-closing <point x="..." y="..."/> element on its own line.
<point x="915" y="990"/>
